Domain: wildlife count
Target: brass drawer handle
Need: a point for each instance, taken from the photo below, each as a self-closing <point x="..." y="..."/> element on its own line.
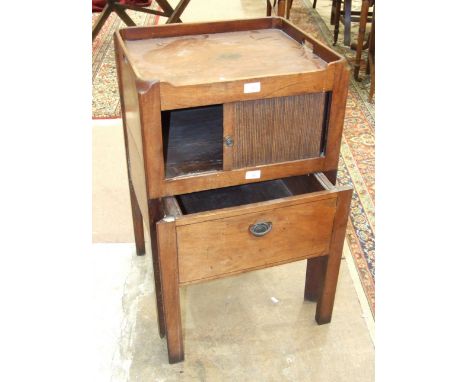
<point x="260" y="229"/>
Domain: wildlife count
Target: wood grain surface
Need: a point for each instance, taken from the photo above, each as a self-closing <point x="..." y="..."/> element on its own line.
<point x="326" y="299"/>
<point x="134" y="140"/>
<point x="285" y="66"/>
<point x="277" y="129"/>
<point x="193" y="140"/>
<point x="213" y="236"/>
<point x="220" y="247"/>
<point x="172" y="150"/>
<point x="219" y="57"/>
<point x="137" y="217"/>
<point x="138" y="179"/>
<point x="152" y="97"/>
<point x="167" y="246"/>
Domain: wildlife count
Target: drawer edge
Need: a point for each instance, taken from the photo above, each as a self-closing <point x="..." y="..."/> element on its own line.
<point x="256" y="268"/>
<point x="256" y="207"/>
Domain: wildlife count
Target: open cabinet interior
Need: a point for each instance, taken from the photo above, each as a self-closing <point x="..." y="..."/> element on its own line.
<point x="193" y="140"/>
<point x="260" y="132"/>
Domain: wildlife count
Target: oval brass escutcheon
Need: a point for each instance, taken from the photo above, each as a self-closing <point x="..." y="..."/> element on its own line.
<point x="260" y="229"/>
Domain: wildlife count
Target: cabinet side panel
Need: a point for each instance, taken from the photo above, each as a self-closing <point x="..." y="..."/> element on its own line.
<point x="133" y="133"/>
<point x="277" y="129"/>
<point x="137" y="173"/>
<point x="130" y="113"/>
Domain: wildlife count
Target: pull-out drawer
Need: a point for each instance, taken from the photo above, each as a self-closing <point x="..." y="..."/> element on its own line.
<point x="236" y="229"/>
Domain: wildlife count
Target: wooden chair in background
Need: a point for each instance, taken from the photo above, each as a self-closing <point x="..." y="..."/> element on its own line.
<point x="284" y="7"/>
<point x="345" y="16"/>
<point x="280" y="8"/>
<point x="172" y="14"/>
<point x="370" y="44"/>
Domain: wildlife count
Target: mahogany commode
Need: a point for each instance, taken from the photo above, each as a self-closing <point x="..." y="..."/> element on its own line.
<point x="232" y="134"/>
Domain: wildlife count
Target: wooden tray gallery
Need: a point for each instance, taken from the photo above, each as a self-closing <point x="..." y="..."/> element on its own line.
<point x="216" y="104"/>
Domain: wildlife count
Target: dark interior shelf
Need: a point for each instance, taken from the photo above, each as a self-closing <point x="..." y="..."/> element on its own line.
<point x="246" y="194"/>
<point x="193" y="140"/>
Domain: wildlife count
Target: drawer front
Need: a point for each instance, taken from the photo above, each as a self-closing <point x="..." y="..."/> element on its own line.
<point x="229" y="245"/>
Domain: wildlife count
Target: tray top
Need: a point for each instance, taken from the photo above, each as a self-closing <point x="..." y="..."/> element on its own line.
<point x="220" y="57"/>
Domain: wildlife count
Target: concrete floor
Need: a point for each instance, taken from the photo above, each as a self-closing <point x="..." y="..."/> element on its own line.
<point x="233" y="329"/>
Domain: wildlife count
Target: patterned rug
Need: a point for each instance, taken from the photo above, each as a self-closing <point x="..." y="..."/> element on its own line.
<point x="357" y="156"/>
<point x="357" y="150"/>
<point x="106" y="102"/>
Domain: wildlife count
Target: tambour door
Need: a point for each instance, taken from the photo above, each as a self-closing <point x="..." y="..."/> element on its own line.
<point x="274" y="130"/>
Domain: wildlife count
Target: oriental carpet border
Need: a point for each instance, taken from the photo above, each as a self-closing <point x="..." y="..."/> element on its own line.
<point x="357" y="155"/>
<point x="106" y="102"/>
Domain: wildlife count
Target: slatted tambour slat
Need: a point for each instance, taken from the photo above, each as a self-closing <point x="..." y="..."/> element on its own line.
<point x="277" y="129"/>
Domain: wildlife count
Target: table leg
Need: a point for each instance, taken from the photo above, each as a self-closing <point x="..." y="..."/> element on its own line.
<point x="315" y="273"/>
<point x="326" y="299"/>
<point x="167" y="245"/>
<point x="156" y="214"/>
<point x="137" y="218"/>
<point x="316" y="266"/>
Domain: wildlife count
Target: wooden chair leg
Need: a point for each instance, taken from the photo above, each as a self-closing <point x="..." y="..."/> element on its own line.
<point x="372" y="86"/>
<point x="138" y="229"/>
<point x="326" y="299"/>
<point x="337" y="21"/>
<point x="123" y="15"/>
<point x="333" y="12"/>
<point x="167" y="245"/>
<point x="360" y="40"/>
<point x="167" y="9"/>
<point x="101" y="20"/>
<point x="347" y="22"/>
<point x="289" y="8"/>
<point x="178" y="11"/>
<point x="371" y="60"/>
<point x="282" y="8"/>
<point x="268" y="8"/>
<point x="314" y="4"/>
<point x="315" y="273"/>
